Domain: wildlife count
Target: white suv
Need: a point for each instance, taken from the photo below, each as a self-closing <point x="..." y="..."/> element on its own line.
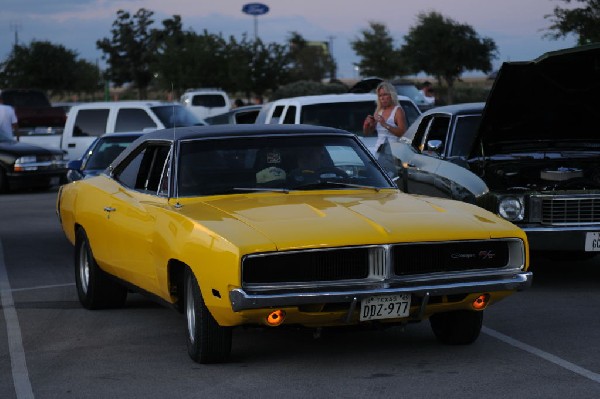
<point x="342" y="111"/>
<point x="206" y="102"/>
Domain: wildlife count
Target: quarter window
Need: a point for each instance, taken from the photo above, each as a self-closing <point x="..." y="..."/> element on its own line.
<point x="90" y="122"/>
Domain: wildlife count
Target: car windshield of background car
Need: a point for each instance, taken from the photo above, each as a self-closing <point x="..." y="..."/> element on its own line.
<point x="208" y="167"/>
<point x="106" y="151"/>
<point x="176" y="116"/>
<point x="464" y="135"/>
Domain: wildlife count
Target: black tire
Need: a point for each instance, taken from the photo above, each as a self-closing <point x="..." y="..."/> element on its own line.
<point x="96" y="290"/>
<point x="460" y="327"/>
<point x="207" y="341"/>
<point x="3" y="181"/>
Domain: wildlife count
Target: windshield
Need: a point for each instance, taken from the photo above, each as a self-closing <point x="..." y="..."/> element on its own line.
<point x="175" y="115"/>
<point x="464" y="135"/>
<point x="304" y="162"/>
<point x="105" y="151"/>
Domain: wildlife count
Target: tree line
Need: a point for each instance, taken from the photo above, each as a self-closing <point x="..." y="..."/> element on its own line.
<point x="169" y="58"/>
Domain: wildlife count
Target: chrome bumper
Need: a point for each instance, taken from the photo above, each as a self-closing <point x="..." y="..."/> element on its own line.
<point x="241" y="300"/>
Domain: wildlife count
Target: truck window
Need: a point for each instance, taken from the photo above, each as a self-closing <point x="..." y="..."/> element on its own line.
<point x="133" y="120"/>
<point x="290" y="116"/>
<point x="90" y="122"/>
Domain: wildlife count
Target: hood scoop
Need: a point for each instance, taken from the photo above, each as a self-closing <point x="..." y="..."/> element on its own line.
<point x="561" y="174"/>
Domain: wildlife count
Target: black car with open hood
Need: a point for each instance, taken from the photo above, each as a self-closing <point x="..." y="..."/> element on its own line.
<point x="531" y="153"/>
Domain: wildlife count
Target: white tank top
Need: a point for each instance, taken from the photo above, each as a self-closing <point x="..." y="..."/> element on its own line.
<point x="383" y="133"/>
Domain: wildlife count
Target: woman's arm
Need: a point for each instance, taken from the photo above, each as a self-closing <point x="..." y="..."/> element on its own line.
<point x="369" y="125"/>
<point x="399" y="119"/>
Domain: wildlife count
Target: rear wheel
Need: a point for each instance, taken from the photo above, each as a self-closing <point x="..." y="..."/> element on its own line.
<point x="460" y="327"/>
<point x="96" y="290"/>
<point x="207" y="341"/>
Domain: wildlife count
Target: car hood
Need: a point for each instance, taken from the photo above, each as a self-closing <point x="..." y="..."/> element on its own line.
<point x="548" y="103"/>
<point x="301" y="220"/>
<point x="17" y="148"/>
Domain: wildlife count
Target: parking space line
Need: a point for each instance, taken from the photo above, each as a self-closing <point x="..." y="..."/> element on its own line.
<point x="42" y="287"/>
<point x="13" y="331"/>
<point x="544" y="355"/>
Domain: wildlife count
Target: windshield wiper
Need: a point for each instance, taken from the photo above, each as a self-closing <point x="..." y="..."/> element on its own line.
<point x="263" y="189"/>
<point x="325" y="184"/>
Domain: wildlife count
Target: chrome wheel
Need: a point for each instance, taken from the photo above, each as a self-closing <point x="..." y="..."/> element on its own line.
<point x="84" y="268"/>
<point x="190" y="311"/>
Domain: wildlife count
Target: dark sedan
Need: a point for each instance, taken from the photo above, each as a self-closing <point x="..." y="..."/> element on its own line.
<point x="29" y="166"/>
<point x="531" y="154"/>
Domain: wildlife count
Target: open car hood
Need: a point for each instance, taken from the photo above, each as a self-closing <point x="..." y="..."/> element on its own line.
<point x="549" y="103"/>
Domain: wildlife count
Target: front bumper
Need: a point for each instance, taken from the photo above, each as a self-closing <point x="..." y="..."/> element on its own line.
<point x="242" y="300"/>
<point x="558" y="238"/>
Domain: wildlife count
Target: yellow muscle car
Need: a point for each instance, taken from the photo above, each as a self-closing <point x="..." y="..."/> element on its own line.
<point x="282" y="225"/>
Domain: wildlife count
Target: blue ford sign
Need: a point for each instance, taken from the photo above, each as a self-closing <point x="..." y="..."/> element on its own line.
<point x="255" y="9"/>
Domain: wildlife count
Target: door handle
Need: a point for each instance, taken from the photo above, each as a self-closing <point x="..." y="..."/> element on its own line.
<point x="109" y="209"/>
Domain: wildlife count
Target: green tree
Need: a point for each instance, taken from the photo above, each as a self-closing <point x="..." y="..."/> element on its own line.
<point x="582" y="21"/>
<point x="446" y="49"/>
<point x="132" y="51"/>
<point x="309" y="61"/>
<point x="377" y="53"/>
<point x="48" y="67"/>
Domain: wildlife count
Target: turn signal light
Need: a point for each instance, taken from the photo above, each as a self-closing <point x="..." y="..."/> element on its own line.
<point x="276" y="317"/>
<point x="481" y="302"/>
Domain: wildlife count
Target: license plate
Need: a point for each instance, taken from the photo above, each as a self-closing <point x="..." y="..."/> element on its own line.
<point x="385" y="307"/>
<point x="592" y="241"/>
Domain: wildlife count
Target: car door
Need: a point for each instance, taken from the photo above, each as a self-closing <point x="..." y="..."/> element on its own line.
<point x="429" y="143"/>
<point x="438" y="167"/>
<point x="132" y="211"/>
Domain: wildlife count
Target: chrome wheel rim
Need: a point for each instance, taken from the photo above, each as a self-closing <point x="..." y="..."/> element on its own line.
<point x="190" y="311"/>
<point x="84" y="268"/>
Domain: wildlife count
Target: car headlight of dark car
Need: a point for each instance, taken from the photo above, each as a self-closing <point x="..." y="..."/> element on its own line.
<point x="29" y="163"/>
<point x="511" y="208"/>
<point x="26" y="163"/>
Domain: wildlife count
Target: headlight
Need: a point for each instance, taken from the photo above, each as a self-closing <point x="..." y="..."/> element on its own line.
<point x="26" y="163"/>
<point x="26" y="159"/>
<point x="511" y="208"/>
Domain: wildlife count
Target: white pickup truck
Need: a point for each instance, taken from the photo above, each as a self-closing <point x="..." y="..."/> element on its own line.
<point x="86" y="121"/>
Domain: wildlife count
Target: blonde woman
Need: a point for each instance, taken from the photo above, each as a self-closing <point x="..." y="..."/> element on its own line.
<point x="388" y="119"/>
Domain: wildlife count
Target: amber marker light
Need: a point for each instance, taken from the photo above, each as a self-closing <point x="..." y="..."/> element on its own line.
<point x="481" y="302"/>
<point x="276" y="317"/>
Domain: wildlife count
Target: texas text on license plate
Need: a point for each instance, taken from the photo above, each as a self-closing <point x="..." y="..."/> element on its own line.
<point x="592" y="241"/>
<point x="385" y="307"/>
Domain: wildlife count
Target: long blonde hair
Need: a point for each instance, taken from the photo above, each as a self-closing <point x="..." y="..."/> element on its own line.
<point x="387" y="88"/>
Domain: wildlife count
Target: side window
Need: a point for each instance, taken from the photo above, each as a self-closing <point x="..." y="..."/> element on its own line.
<point x="417" y="142"/>
<point x="290" y="116"/>
<point x="90" y="122"/>
<point x="133" y="120"/>
<point x="436" y="134"/>
<point x="147" y="170"/>
<point x="209" y="100"/>
<point x="277" y="111"/>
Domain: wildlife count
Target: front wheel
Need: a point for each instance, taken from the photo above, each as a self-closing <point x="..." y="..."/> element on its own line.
<point x="96" y="290"/>
<point x="207" y="341"/>
<point x="461" y="327"/>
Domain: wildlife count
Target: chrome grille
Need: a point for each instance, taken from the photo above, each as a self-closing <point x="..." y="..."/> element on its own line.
<point x="379" y="262"/>
<point x="562" y="210"/>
